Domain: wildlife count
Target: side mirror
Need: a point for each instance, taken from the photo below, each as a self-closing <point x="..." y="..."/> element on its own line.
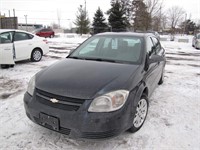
<point x="155" y="58"/>
<point x="153" y="48"/>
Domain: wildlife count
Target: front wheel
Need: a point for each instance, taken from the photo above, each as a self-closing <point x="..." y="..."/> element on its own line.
<point x="140" y="114"/>
<point x="36" y="55"/>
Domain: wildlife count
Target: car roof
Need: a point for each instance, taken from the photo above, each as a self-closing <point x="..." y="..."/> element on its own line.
<point x="125" y="34"/>
<point x="8" y="30"/>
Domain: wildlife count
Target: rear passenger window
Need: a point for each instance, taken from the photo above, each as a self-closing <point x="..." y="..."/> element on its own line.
<point x="20" y="36"/>
<point x="156" y="44"/>
<point x="150" y="44"/>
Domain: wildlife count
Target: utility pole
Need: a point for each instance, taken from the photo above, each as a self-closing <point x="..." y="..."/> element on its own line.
<point x="85" y="9"/>
<point x="185" y="23"/>
<point x="26" y="21"/>
<point x="13" y="12"/>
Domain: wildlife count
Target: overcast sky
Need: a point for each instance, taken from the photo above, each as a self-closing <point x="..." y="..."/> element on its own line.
<point x="46" y="11"/>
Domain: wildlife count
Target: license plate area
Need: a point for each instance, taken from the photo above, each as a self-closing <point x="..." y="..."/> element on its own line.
<point x="49" y="121"/>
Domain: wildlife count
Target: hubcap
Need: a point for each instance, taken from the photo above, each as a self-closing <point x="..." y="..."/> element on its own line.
<point x="37" y="55"/>
<point x="141" y="112"/>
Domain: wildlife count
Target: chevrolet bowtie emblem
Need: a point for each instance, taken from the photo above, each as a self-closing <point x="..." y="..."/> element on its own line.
<point x="53" y="100"/>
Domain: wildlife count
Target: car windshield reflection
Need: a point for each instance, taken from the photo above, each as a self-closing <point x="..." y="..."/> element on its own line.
<point x="110" y="48"/>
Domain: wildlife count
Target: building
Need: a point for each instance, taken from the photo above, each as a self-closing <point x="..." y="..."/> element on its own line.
<point x="29" y="27"/>
<point x="8" y="22"/>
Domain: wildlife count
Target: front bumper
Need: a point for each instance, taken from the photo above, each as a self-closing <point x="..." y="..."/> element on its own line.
<point x="80" y="123"/>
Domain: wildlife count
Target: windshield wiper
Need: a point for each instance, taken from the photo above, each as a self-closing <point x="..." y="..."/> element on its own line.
<point x="101" y="59"/>
<point x="75" y="57"/>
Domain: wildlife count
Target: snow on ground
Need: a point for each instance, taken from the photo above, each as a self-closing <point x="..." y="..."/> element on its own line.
<point x="173" y="121"/>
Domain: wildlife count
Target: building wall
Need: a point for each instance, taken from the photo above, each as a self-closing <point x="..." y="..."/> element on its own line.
<point x="8" y="23"/>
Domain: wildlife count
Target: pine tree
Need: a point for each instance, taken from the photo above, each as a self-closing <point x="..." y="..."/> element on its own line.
<point x="99" y="24"/>
<point x="126" y="5"/>
<point x="82" y="21"/>
<point x="141" y="18"/>
<point x="117" y="17"/>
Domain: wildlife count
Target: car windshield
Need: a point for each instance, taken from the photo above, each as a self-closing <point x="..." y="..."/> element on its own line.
<point x="121" y="49"/>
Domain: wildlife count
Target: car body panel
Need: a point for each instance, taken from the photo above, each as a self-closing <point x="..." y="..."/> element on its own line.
<point x="83" y="79"/>
<point x="45" y="32"/>
<point x="66" y="89"/>
<point x="21" y="49"/>
<point x="6" y="54"/>
<point x="196" y="41"/>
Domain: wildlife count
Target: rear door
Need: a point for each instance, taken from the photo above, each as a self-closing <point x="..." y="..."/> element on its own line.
<point x="23" y="45"/>
<point x="6" y="48"/>
<point x="153" y="69"/>
<point x="161" y="52"/>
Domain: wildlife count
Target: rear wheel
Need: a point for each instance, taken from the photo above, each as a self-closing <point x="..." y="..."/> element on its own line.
<point x="196" y="46"/>
<point x="140" y="114"/>
<point x="5" y="66"/>
<point x="36" y="55"/>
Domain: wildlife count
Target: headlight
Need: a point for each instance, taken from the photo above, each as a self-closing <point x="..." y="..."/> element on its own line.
<point x="31" y="86"/>
<point x="109" y="102"/>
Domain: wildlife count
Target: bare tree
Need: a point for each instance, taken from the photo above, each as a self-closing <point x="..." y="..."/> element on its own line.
<point x="54" y="25"/>
<point x="153" y="7"/>
<point x="175" y="16"/>
<point x="58" y="17"/>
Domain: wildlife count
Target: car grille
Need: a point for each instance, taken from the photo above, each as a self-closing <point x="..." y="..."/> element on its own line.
<point x="65" y="103"/>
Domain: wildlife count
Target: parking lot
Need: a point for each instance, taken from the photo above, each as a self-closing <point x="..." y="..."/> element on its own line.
<point x="173" y="121"/>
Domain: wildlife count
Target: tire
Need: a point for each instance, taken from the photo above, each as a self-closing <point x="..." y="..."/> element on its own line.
<point x="140" y="110"/>
<point x="36" y="55"/>
<point x="161" y="79"/>
<point x="12" y="66"/>
<point x="195" y="46"/>
<point x="5" y="66"/>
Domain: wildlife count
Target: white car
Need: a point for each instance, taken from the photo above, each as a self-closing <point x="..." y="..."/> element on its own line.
<point x="17" y="45"/>
<point x="196" y="41"/>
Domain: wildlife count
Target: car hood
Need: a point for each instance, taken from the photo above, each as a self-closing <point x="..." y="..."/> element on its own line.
<point x="84" y="79"/>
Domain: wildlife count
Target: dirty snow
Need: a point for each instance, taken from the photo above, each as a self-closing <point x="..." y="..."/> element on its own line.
<point x="173" y="121"/>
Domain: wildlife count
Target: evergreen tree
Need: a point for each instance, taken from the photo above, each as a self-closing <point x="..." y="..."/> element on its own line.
<point x="188" y="26"/>
<point x="82" y="21"/>
<point x="141" y="18"/>
<point x="99" y="24"/>
<point x="126" y="5"/>
<point x="117" y="17"/>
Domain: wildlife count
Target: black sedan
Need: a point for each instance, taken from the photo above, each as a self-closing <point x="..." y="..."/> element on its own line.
<point x="101" y="89"/>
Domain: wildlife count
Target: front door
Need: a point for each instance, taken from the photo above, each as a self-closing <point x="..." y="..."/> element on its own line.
<point x="6" y="49"/>
<point x="23" y="45"/>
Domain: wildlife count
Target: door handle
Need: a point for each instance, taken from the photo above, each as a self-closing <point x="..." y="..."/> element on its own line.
<point x="7" y="49"/>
